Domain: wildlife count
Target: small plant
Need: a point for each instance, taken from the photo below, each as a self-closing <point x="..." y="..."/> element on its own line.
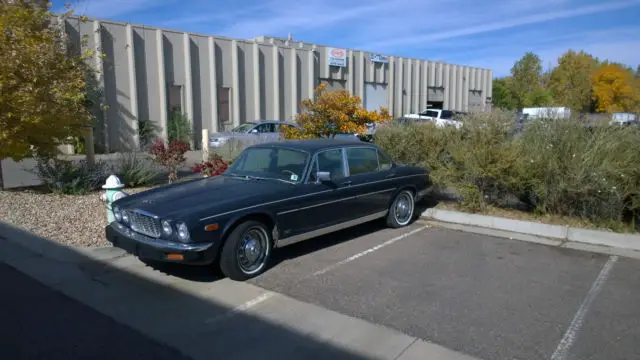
<point x="134" y="170"/>
<point x="179" y="126"/>
<point x="215" y="166"/>
<point x="147" y="131"/>
<point x="171" y="157"/>
<point x="68" y="177"/>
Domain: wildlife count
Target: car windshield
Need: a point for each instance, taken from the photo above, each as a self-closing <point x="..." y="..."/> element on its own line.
<point x="243" y="128"/>
<point x="271" y="163"/>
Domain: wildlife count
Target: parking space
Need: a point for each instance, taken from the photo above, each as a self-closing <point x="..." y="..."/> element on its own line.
<point x="488" y="297"/>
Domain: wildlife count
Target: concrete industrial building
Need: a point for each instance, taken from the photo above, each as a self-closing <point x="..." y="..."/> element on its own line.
<point x="221" y="82"/>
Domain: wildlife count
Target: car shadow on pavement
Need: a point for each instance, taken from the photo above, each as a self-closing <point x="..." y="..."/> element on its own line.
<point x="162" y="316"/>
<point x="211" y="273"/>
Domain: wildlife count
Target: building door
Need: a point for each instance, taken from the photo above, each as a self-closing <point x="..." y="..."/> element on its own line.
<point x="375" y="95"/>
<point x="475" y="100"/>
<point x="224" y="109"/>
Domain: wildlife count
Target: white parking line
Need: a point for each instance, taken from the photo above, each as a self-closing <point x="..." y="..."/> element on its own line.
<point x="571" y="335"/>
<point x="243" y="307"/>
<point x="368" y="251"/>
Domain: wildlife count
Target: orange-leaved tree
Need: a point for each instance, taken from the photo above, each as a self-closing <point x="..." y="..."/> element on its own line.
<point x="333" y="112"/>
<point x="613" y="88"/>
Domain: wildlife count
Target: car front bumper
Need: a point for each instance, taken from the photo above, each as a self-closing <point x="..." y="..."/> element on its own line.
<point x="148" y="248"/>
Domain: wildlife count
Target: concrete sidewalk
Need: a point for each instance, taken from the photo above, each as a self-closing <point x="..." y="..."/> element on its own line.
<point x="204" y="317"/>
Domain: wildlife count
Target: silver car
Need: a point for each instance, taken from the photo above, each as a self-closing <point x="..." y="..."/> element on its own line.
<point x="251" y="132"/>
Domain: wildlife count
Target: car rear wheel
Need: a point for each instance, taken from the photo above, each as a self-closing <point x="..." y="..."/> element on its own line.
<point x="401" y="210"/>
<point x="246" y="252"/>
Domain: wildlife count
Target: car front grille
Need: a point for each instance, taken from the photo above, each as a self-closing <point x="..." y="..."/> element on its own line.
<point x="145" y="224"/>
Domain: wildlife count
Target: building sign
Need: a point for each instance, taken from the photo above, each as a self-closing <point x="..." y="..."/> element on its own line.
<point x="337" y="57"/>
<point x="379" y="58"/>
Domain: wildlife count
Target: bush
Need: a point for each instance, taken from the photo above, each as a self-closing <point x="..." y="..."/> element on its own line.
<point x="68" y="177"/>
<point x="179" y="127"/>
<point x="214" y="166"/>
<point x="134" y="170"/>
<point x="171" y="157"/>
<point x="557" y="167"/>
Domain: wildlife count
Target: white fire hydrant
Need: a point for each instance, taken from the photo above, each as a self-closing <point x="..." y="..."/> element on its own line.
<point x="114" y="187"/>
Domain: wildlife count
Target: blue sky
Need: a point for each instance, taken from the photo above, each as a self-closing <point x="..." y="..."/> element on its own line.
<point x="489" y="33"/>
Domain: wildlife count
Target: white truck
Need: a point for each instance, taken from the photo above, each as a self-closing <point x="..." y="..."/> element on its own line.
<point x="440" y="117"/>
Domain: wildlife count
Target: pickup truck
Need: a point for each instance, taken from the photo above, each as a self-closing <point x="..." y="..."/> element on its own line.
<point x="440" y="117"/>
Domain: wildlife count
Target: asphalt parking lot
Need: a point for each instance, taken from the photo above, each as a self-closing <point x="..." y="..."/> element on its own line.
<point x="488" y="297"/>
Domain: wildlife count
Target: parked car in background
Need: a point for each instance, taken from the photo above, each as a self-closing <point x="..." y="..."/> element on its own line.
<point x="251" y="132"/>
<point x="438" y="116"/>
<point x="273" y="195"/>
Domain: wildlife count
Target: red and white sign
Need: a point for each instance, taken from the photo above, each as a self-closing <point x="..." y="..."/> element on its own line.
<point x="337" y="57"/>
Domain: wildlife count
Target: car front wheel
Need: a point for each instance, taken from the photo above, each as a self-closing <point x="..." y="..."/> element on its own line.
<point x="246" y="252"/>
<point x="401" y="210"/>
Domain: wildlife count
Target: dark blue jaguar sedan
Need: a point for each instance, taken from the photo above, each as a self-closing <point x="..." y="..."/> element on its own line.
<point x="273" y="195"/>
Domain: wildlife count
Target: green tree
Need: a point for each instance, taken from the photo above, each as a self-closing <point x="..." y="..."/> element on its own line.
<point x="502" y="97"/>
<point x="638" y="71"/>
<point x="42" y="87"/>
<point x="526" y="84"/>
<point x="570" y="82"/>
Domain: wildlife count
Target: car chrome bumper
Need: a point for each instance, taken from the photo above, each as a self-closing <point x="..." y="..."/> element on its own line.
<point x="156" y="249"/>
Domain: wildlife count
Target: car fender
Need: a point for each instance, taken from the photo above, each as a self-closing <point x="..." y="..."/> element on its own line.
<point x="237" y="219"/>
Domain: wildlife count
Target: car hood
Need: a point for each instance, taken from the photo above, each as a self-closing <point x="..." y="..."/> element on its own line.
<point x="207" y="193"/>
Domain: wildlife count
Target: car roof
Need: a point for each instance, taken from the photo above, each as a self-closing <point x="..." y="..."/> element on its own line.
<point x="273" y="121"/>
<point x="313" y="145"/>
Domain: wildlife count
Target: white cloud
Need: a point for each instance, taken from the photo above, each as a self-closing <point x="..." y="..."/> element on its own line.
<point x="540" y="17"/>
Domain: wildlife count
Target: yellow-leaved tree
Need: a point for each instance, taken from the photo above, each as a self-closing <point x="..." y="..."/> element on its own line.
<point x="42" y="86"/>
<point x="613" y="88"/>
<point x="334" y="112"/>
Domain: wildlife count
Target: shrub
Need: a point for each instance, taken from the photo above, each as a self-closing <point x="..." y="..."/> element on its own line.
<point x="147" y="133"/>
<point x="134" y="170"/>
<point x="68" y="177"/>
<point x="555" y="167"/>
<point x="214" y="166"/>
<point x="170" y="157"/>
<point x="179" y="127"/>
<point x="590" y="173"/>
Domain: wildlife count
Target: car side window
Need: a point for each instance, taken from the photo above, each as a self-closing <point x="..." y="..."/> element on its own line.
<point x="362" y="160"/>
<point x="384" y="160"/>
<point x="265" y="128"/>
<point x="331" y="161"/>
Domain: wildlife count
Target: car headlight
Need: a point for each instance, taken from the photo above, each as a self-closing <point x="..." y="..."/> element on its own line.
<point x="183" y="231"/>
<point x="125" y="216"/>
<point x="117" y="213"/>
<point x="166" y="228"/>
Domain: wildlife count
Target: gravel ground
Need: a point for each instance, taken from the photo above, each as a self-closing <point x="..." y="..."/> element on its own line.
<point x="70" y="220"/>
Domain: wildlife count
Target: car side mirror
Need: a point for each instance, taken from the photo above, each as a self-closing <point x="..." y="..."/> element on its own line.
<point x="323" y="176"/>
<point x="253" y="131"/>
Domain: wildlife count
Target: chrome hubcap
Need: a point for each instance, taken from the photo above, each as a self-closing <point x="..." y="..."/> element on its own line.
<point x="253" y="250"/>
<point x="403" y="208"/>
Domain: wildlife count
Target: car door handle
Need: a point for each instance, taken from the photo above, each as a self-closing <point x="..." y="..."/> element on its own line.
<point x="347" y="183"/>
<point x="390" y="175"/>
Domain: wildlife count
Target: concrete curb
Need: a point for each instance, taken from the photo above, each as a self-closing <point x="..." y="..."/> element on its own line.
<point x="40" y="246"/>
<point x="564" y="234"/>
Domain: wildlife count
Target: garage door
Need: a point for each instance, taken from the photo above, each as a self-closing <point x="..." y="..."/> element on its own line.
<point x="475" y="100"/>
<point x="435" y="94"/>
<point x="375" y="95"/>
